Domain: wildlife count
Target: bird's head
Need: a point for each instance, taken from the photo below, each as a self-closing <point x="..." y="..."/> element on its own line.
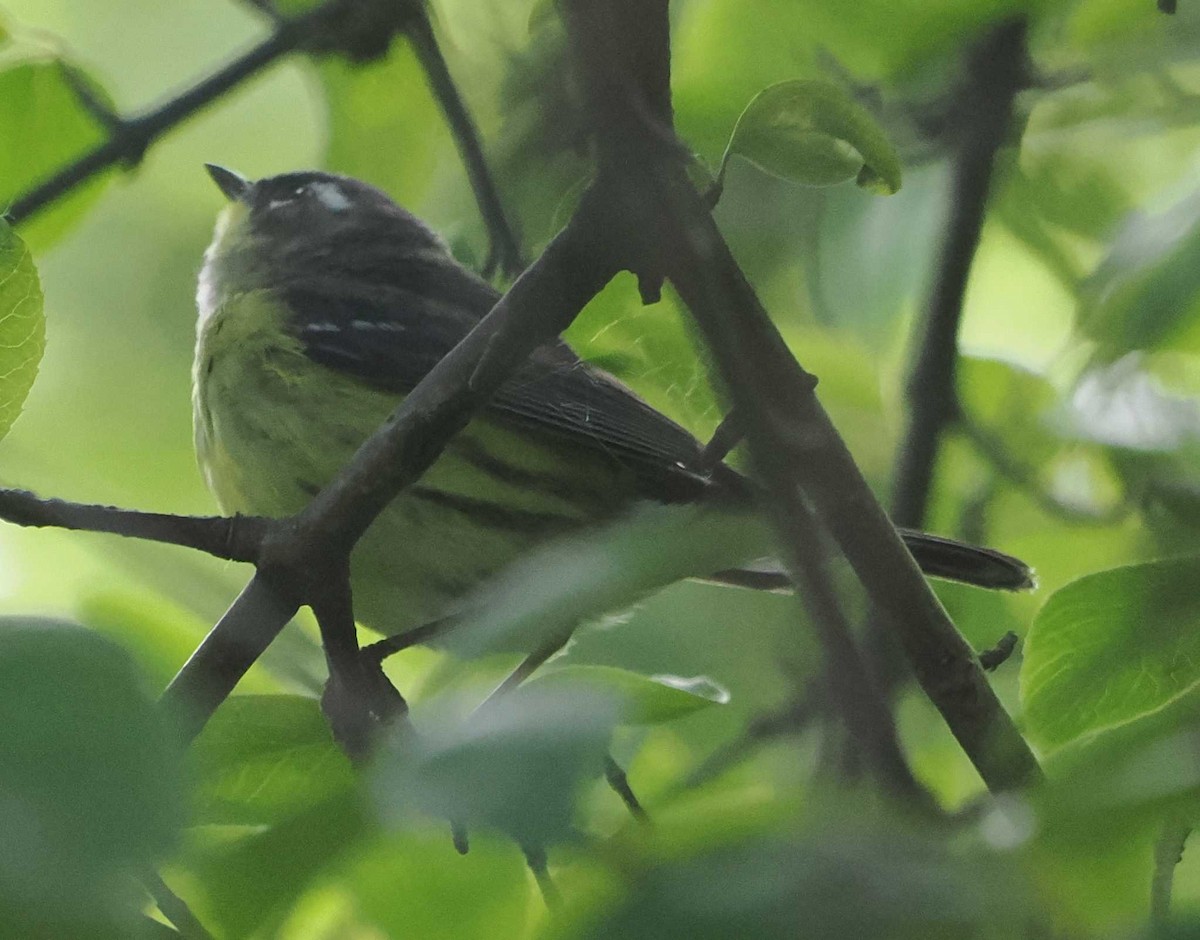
<point x="299" y="224"/>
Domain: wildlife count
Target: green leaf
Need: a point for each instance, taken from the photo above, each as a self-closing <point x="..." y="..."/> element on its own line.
<point x="22" y="325"/>
<point x="1012" y="404"/>
<point x="265" y="758"/>
<point x="44" y="127"/>
<point x="843" y="880"/>
<point x="814" y="133"/>
<point x="90" y="778"/>
<point x="487" y="893"/>
<point x="550" y="591"/>
<point x="643" y="700"/>
<point x="1145" y="293"/>
<point x="514" y="765"/>
<point x="1111" y="648"/>
<point x="253" y="882"/>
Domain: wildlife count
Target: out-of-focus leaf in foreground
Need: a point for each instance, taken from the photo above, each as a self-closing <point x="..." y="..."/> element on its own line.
<point x="22" y="326"/>
<point x="813" y="132"/>
<point x="642" y="700"/>
<point x="839" y="881"/>
<point x="1110" y="648"/>
<point x="515" y="765"/>
<point x="46" y="127"/>
<point x="89" y="782"/>
<point x="547" y="593"/>
<point x="265" y="758"/>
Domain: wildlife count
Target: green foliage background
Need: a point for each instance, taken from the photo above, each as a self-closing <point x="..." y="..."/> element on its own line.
<point x="1083" y="346"/>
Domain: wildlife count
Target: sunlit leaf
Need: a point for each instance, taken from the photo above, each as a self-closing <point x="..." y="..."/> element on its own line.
<point x="45" y="127"/>
<point x="642" y="700"/>
<point x="90" y="779"/>
<point x="1110" y="648"/>
<point x="264" y="758"/>
<point x="813" y="132"/>
<point x="22" y="325"/>
<point x="514" y="766"/>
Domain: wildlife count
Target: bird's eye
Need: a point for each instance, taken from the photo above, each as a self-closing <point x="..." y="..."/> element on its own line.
<point x="300" y="191"/>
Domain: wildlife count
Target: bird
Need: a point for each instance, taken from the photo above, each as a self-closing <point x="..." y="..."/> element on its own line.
<point x="322" y="303"/>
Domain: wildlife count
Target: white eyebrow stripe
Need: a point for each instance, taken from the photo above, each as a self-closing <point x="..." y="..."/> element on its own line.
<point x="330" y="196"/>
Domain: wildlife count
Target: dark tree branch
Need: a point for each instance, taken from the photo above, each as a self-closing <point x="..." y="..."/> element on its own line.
<point x="996" y="71"/>
<point x="229" y="650"/>
<point x="234" y="538"/>
<point x="792" y="442"/>
<point x="624" y="53"/>
<point x="504" y="252"/>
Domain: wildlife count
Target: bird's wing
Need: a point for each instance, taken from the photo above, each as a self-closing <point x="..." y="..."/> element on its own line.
<point x="390" y="338"/>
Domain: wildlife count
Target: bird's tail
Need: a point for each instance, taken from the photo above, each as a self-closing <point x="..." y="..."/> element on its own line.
<point x="939" y="557"/>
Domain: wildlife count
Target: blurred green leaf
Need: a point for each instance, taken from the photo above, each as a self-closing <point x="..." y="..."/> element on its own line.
<point x="90" y="783"/>
<point x="1144" y="292"/>
<point x="1012" y="404"/>
<point x="549" y="591"/>
<point x="514" y="765"/>
<point x="22" y="325"/>
<point x="643" y="700"/>
<point x="444" y="896"/>
<point x="263" y="759"/>
<point x="252" y="882"/>
<point x="840" y="880"/>
<point x="46" y="127"/>
<point x="814" y="133"/>
<point x="1110" y="648"/>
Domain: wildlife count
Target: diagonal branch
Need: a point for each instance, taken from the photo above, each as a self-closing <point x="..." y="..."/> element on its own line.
<point x="505" y="249"/>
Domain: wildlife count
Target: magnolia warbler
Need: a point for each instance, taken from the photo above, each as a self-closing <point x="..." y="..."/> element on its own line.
<point x="322" y="303"/>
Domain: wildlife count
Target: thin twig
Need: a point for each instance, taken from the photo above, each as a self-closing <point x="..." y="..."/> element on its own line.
<point x="1024" y="477"/>
<point x="725" y="438"/>
<point x="389" y="646"/>
<point x="234" y="538"/>
<point x="174" y="908"/>
<point x="1168" y="853"/>
<point x="504" y="251"/>
<point x="992" y="659"/>
<point x="996" y="72"/>
<point x="618" y="780"/>
<point x="129" y="138"/>
<point x="791" y="719"/>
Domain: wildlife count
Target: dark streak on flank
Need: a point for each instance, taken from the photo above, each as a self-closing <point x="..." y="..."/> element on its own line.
<point x="569" y="491"/>
<point x="493" y="515"/>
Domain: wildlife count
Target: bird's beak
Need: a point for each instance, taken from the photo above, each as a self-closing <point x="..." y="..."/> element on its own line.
<point x="231" y="184"/>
